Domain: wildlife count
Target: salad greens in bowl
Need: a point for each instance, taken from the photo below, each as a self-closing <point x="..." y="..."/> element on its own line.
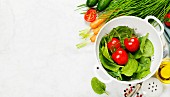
<point x="124" y="55"/>
<point x="128" y="49"/>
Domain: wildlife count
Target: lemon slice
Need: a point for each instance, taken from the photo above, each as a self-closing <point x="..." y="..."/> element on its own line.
<point x="165" y="72"/>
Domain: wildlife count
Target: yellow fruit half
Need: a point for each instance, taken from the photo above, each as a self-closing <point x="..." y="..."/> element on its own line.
<point x="165" y="72"/>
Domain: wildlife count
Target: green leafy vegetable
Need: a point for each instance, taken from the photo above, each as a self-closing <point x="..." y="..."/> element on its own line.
<point x="130" y="67"/>
<point x="137" y="54"/>
<point x="125" y="31"/>
<point x="138" y="65"/>
<point x="122" y="32"/>
<point x="98" y="86"/>
<point x="143" y="68"/>
<point x="116" y="74"/>
<point x="148" y="49"/>
<point x="139" y="68"/>
<point x="130" y="56"/>
<point x="145" y="60"/>
<point x="142" y="44"/>
<point x="107" y="64"/>
<point x="102" y="43"/>
<point x="106" y="52"/>
<point x="142" y="74"/>
<point x="144" y="64"/>
<point x="104" y="55"/>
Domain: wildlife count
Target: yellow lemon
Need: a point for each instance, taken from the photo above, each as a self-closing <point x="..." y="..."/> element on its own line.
<point x="165" y="71"/>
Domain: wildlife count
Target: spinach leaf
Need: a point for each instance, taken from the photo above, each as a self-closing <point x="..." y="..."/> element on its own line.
<point x="142" y="44"/>
<point x="143" y="68"/>
<point x="102" y="43"/>
<point x="125" y="31"/>
<point x="106" y="52"/>
<point x="148" y="49"/>
<point x="140" y="39"/>
<point x="130" y="67"/>
<point x="144" y="64"/>
<point x="108" y="37"/>
<point x="106" y="59"/>
<point x="142" y="74"/>
<point x="130" y="55"/>
<point x="137" y="54"/>
<point x="139" y="69"/>
<point x="116" y="74"/>
<point x="145" y="60"/>
<point x="98" y="86"/>
<point x="107" y="64"/>
<point x="122" y="32"/>
<point x="114" y="33"/>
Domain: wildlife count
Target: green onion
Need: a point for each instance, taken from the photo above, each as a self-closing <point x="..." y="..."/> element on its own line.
<point x="139" y="8"/>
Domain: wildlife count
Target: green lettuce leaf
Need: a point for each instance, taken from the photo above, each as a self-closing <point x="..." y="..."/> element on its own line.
<point x="142" y="74"/>
<point x="142" y="44"/>
<point x="130" y="67"/>
<point x="107" y="64"/>
<point x="148" y="49"/>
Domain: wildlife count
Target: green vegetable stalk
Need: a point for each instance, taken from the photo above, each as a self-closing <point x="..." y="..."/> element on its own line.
<point x="139" y="8"/>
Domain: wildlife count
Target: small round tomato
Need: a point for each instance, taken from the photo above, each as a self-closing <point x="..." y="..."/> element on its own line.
<point x="167" y="20"/>
<point x="132" y="44"/>
<point x="113" y="44"/>
<point x="90" y="15"/>
<point x="120" y="56"/>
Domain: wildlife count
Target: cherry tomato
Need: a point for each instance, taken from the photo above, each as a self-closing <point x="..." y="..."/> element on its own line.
<point x="167" y="20"/>
<point x="113" y="44"/>
<point x="90" y="15"/>
<point x="120" y="56"/>
<point x="132" y="44"/>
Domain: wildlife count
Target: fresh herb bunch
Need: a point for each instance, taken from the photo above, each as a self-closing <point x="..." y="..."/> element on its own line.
<point x="139" y="8"/>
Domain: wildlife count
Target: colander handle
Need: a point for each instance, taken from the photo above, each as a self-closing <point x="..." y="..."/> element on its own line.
<point x="98" y="69"/>
<point x="158" y="21"/>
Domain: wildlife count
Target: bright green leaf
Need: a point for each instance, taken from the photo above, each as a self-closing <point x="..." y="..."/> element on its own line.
<point x="142" y="74"/>
<point x="130" y="67"/>
<point x="98" y="86"/>
<point x="148" y="49"/>
<point x="107" y="64"/>
<point x="143" y="40"/>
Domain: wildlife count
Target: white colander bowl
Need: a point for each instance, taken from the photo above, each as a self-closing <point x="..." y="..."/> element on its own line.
<point x="142" y="27"/>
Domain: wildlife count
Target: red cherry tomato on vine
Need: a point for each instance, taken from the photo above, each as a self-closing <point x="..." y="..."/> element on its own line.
<point x="132" y="44"/>
<point x="120" y="56"/>
<point x="90" y="15"/>
<point x="113" y="44"/>
<point x="167" y="20"/>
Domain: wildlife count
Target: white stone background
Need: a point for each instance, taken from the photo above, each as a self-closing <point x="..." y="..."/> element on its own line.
<point x="38" y="57"/>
